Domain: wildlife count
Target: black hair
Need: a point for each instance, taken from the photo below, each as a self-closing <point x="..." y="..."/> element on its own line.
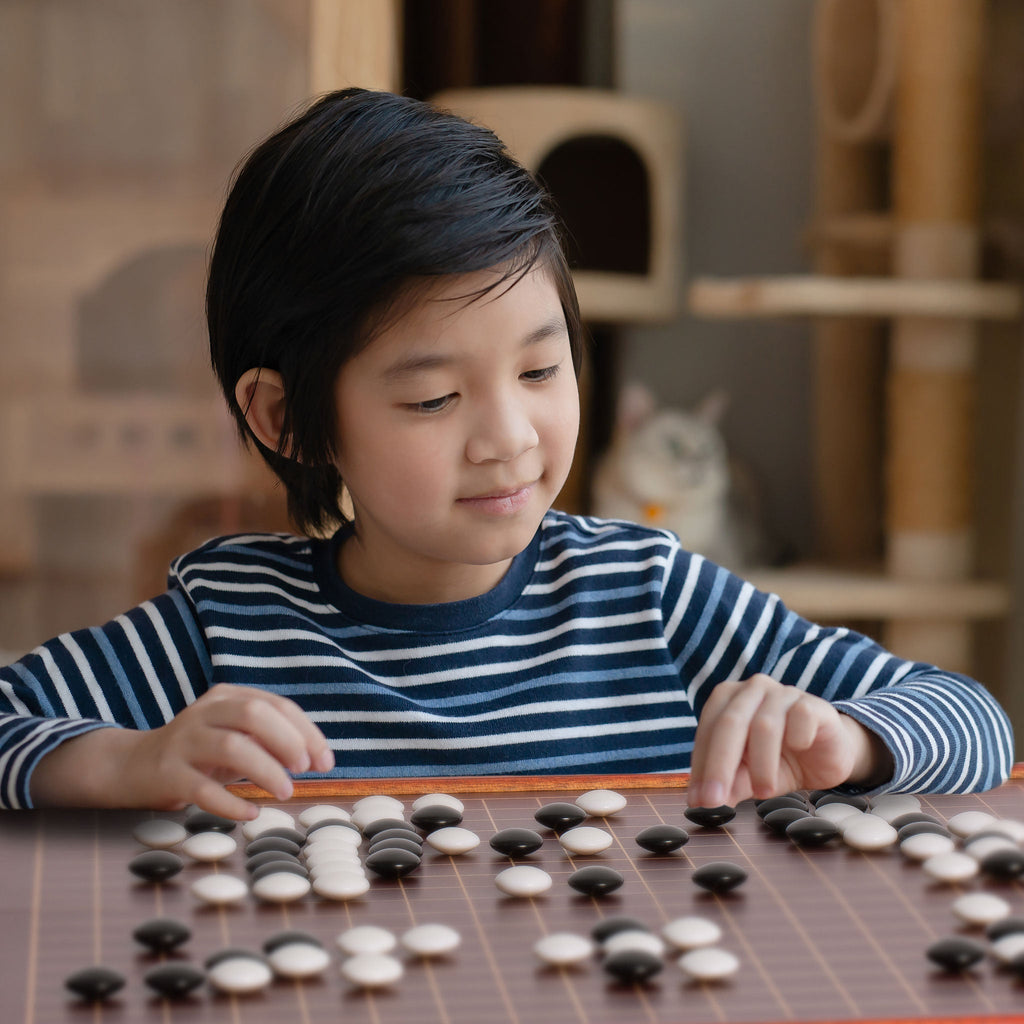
<point x="327" y="225"/>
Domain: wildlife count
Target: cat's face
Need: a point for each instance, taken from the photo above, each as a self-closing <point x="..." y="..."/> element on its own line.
<point x="676" y="457"/>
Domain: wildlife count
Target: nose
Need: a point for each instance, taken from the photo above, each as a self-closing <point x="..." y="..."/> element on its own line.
<point x="503" y="430"/>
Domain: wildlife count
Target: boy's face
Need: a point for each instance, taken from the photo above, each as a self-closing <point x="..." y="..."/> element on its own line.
<point x="457" y="426"/>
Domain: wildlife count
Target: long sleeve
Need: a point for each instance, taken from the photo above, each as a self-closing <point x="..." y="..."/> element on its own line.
<point x="137" y="671"/>
<point x="945" y="731"/>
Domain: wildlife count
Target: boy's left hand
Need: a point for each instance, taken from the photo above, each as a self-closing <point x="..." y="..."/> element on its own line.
<point x="758" y="737"/>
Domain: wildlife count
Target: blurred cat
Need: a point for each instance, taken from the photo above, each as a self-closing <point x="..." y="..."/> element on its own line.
<point x="670" y="468"/>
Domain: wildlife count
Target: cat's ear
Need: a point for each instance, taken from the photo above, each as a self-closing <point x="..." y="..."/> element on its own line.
<point x="711" y="408"/>
<point x="636" y="406"/>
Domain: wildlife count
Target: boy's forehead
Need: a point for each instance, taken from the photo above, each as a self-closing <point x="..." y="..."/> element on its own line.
<point x="433" y="310"/>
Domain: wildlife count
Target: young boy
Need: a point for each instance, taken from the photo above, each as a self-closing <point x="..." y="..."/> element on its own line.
<point x="389" y="308"/>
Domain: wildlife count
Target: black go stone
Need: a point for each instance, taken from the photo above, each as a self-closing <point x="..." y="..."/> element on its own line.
<point x="325" y="822"/>
<point x="396" y="843"/>
<point x="662" y="838"/>
<point x="290" y="937"/>
<point x="155" y="865"/>
<point x="383" y="824"/>
<point x="916" y="828"/>
<point x="273" y="844"/>
<point x="850" y="799"/>
<point x="1016" y="965"/>
<point x="719" y="876"/>
<point x="710" y="817"/>
<point x="560" y="816"/>
<point x="434" y="816"/>
<point x="391" y="863"/>
<point x="773" y="803"/>
<point x="1004" y="865"/>
<point x="609" y="926"/>
<point x="596" y="880"/>
<point x="94" y="984"/>
<point x="812" y="831"/>
<point x="1007" y="926"/>
<point x="782" y="817"/>
<point x="204" y="821"/>
<point x="162" y="934"/>
<point x="268" y="857"/>
<point x="397" y="833"/>
<point x="174" y="981"/>
<point x="955" y="953"/>
<point x="516" y="842"/>
<point x="911" y="817"/>
<point x="279" y="867"/>
<point x="633" y="966"/>
<point x="232" y="953"/>
<point x="293" y="835"/>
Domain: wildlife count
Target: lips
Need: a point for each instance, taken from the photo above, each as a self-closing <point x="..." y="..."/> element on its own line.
<point x="501" y="501"/>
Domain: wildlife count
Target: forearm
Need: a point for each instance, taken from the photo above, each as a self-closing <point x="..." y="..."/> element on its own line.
<point x="87" y="771"/>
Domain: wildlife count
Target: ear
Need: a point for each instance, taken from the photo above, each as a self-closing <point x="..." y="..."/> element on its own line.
<point x="712" y="407"/>
<point x="260" y="395"/>
<point x="636" y="405"/>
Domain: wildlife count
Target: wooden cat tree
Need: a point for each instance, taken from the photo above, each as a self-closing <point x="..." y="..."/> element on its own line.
<point x="921" y="61"/>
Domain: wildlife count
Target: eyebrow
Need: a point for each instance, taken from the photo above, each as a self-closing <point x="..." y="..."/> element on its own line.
<point x="414" y="364"/>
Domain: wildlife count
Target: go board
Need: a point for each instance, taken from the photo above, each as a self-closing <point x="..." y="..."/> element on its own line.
<point x="823" y="934"/>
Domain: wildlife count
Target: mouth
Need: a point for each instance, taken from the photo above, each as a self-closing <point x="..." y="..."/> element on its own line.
<point x="501" y="501"/>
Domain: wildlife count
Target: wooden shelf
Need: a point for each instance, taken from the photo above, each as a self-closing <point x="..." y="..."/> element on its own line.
<point x="820" y="295"/>
<point x="819" y="592"/>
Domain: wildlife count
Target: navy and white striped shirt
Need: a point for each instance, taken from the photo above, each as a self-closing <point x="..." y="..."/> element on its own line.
<point x="595" y="653"/>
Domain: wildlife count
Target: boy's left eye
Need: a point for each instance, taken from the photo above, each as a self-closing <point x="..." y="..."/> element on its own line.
<point x="433" y="404"/>
<point x="540" y="375"/>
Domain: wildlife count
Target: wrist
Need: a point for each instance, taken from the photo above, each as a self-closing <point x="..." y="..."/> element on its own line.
<point x="872" y="762"/>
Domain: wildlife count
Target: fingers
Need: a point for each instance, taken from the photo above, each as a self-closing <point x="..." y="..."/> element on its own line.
<point x="279" y="725"/>
<point x="742" y="734"/>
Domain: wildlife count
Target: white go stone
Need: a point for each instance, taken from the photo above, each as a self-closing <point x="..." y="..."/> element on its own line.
<point x="562" y="949"/>
<point x="431" y="939"/>
<point x="281" y="887"/>
<point x="322" y="812"/>
<point x="371" y="970"/>
<point x="585" y="839"/>
<point x="691" y="932"/>
<point x="981" y="847"/>
<point x="1010" y="827"/>
<point x="268" y="817"/>
<point x="373" y="808"/>
<point x="980" y="908"/>
<point x="966" y="823"/>
<point x="240" y="975"/>
<point x="709" y="963"/>
<point x="219" y="889"/>
<point x="366" y="939"/>
<point x="951" y="867"/>
<point x="925" y="845"/>
<point x="523" y="880"/>
<point x="299" y="960"/>
<point x="601" y="802"/>
<point x="869" y="832"/>
<point x="837" y="812"/>
<point x="327" y="852"/>
<point x="209" y="847"/>
<point x="336" y="867"/>
<point x="341" y="885"/>
<point x="438" y="800"/>
<point x="633" y="939"/>
<point x="337" y="835"/>
<point x="889" y="806"/>
<point x="453" y="840"/>
<point x="159" y="833"/>
<point x="1008" y="947"/>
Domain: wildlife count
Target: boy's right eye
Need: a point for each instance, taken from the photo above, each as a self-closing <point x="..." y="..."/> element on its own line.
<point x="433" y="404"/>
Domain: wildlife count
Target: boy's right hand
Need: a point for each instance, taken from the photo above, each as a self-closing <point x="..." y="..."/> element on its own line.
<point x="230" y="733"/>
